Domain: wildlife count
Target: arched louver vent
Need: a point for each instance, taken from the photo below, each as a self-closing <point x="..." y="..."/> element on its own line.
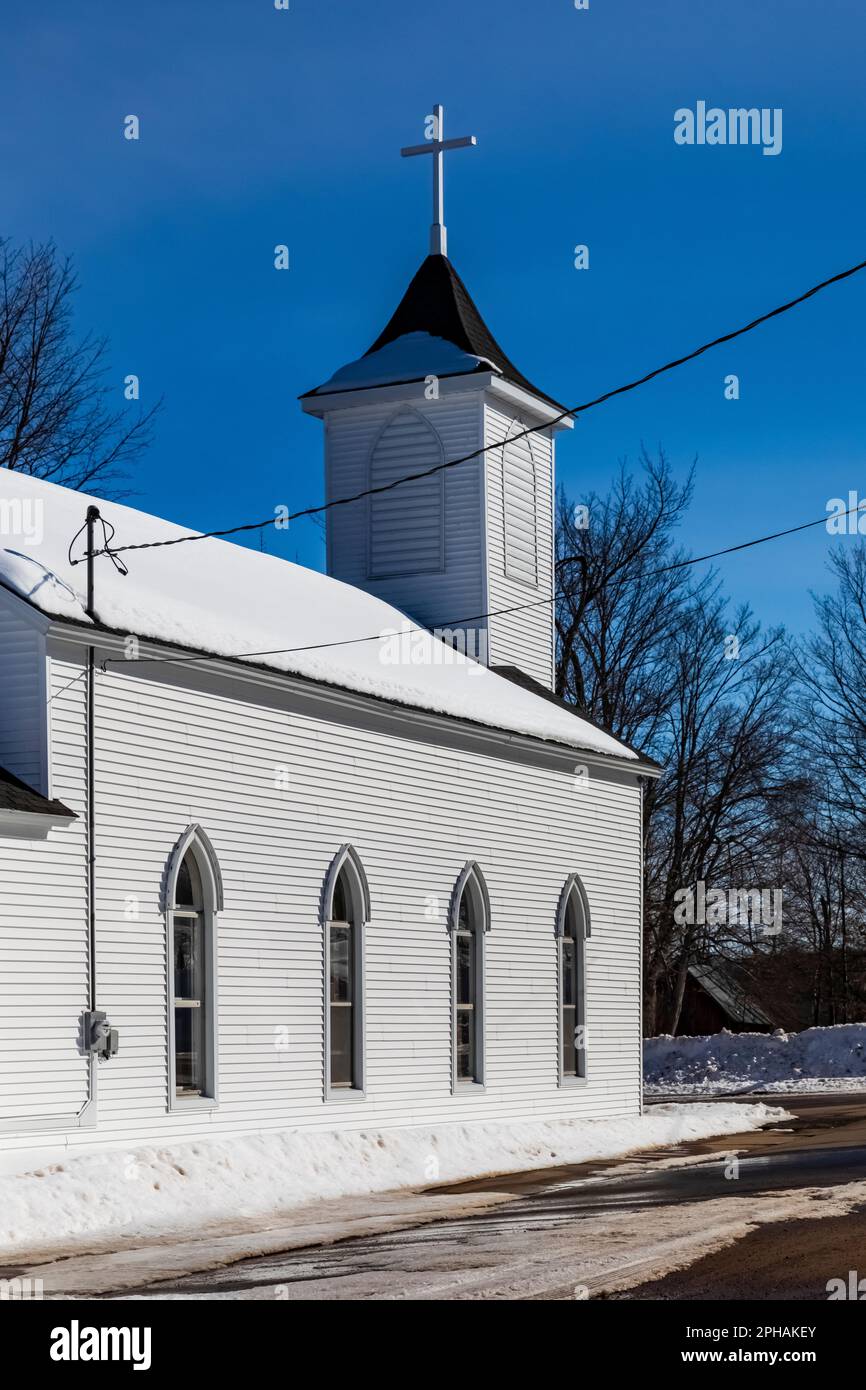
<point x="520" y="507"/>
<point x="406" y="525"/>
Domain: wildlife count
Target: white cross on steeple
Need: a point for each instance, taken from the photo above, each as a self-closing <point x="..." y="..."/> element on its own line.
<point x="436" y="145"/>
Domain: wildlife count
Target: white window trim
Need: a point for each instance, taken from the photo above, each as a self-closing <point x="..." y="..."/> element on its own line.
<point x="346" y="858"/>
<point x="195" y="839"/>
<point x="471" y="877"/>
<point x="572" y="889"/>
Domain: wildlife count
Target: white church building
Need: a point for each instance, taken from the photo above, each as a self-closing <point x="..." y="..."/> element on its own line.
<point x="272" y="854"/>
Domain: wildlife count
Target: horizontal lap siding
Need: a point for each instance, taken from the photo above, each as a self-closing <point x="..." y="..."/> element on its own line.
<point x="350" y="440"/>
<point x="407" y="522"/>
<point x="524" y="637"/>
<point x="415" y="812"/>
<point x="43" y="940"/>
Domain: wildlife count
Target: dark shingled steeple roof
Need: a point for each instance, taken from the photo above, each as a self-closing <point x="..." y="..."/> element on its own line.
<point x="437" y="302"/>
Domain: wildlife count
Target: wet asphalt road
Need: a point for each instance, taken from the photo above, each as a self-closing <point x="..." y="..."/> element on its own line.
<point x="825" y="1146"/>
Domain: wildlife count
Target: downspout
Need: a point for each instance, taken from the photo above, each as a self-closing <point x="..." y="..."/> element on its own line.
<point x="92" y="518"/>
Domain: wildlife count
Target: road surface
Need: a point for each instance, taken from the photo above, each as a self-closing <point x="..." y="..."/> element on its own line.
<point x="687" y="1223"/>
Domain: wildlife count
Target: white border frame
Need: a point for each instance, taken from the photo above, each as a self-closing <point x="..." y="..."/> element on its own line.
<point x="573" y="888"/>
<point x="346" y="857"/>
<point x="194" y="838"/>
<point x="471" y="877"/>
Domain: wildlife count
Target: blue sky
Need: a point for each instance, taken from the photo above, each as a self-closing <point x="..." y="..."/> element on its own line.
<point x="261" y="127"/>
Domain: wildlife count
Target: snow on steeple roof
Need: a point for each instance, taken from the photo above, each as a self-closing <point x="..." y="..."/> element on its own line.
<point x="437" y="304"/>
<point x="413" y="357"/>
<point x="211" y="596"/>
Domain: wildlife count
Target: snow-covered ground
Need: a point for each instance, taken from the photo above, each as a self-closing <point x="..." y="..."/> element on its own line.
<point x="185" y="1187"/>
<point x="818" y="1059"/>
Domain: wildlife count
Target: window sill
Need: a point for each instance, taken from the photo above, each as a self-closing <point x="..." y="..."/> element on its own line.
<point x="468" y="1088"/>
<point x="338" y="1093"/>
<point x="571" y="1083"/>
<point x="193" y="1103"/>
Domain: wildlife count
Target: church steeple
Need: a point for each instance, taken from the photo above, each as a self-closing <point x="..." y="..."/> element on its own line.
<point x="464" y="541"/>
<point x="436" y="306"/>
<point x="437" y="302"/>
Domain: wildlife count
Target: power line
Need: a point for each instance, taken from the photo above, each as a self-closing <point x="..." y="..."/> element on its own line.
<point x="460" y="622"/>
<point x="273" y="651"/>
<point x="760" y="540"/>
<point x="477" y="453"/>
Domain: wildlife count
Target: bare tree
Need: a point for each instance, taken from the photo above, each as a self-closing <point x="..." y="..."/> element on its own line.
<point x="57" y="418"/>
<point x="656" y="657"/>
<point x="620" y="599"/>
<point x="823" y="834"/>
<point x="723" y="745"/>
<point x="832" y="670"/>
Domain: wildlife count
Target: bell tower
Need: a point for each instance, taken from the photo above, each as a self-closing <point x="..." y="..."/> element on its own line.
<point x="456" y="545"/>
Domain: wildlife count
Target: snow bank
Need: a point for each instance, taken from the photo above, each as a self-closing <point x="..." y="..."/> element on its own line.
<point x="220" y="598"/>
<point x="817" y="1059"/>
<point x="184" y="1187"/>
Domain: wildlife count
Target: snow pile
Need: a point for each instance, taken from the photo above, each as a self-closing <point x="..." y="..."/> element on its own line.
<point x="413" y="357"/>
<point x="184" y="1187"/>
<point x="220" y="598"/>
<point x="818" y="1059"/>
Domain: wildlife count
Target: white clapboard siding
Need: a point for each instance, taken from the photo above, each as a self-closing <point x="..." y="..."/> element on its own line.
<point x="406" y="525"/>
<point x="177" y="747"/>
<point x="520" y="508"/>
<point x="519" y="487"/>
<point x="23" y="719"/>
<point x="43" y="935"/>
<point x="387" y="440"/>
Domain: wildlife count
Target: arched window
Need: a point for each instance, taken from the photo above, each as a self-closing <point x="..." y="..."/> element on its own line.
<point x="346" y="911"/>
<point x="470" y="919"/>
<point x="194" y="896"/>
<point x="573" y="927"/>
<point x="407" y="532"/>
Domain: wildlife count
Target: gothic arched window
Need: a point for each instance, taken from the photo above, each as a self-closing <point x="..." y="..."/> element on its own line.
<point x="470" y="919"/>
<point x="194" y="896"/>
<point x="346" y="911"/>
<point x="573" y="928"/>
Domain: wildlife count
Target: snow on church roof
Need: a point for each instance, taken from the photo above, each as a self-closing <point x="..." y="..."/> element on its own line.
<point x="216" y="597"/>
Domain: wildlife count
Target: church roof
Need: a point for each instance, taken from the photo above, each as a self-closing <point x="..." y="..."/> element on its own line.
<point x="436" y="304"/>
<point x="514" y="673"/>
<point x="15" y="795"/>
<point x="211" y="596"/>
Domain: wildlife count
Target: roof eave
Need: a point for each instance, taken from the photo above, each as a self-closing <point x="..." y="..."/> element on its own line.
<point x="321" y="403"/>
<point x="32" y="825"/>
<point x="83" y="632"/>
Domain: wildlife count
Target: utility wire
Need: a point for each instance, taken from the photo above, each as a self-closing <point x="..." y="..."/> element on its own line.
<point x="108" y="532"/>
<point x="477" y="617"/>
<point x="477" y="453"/>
